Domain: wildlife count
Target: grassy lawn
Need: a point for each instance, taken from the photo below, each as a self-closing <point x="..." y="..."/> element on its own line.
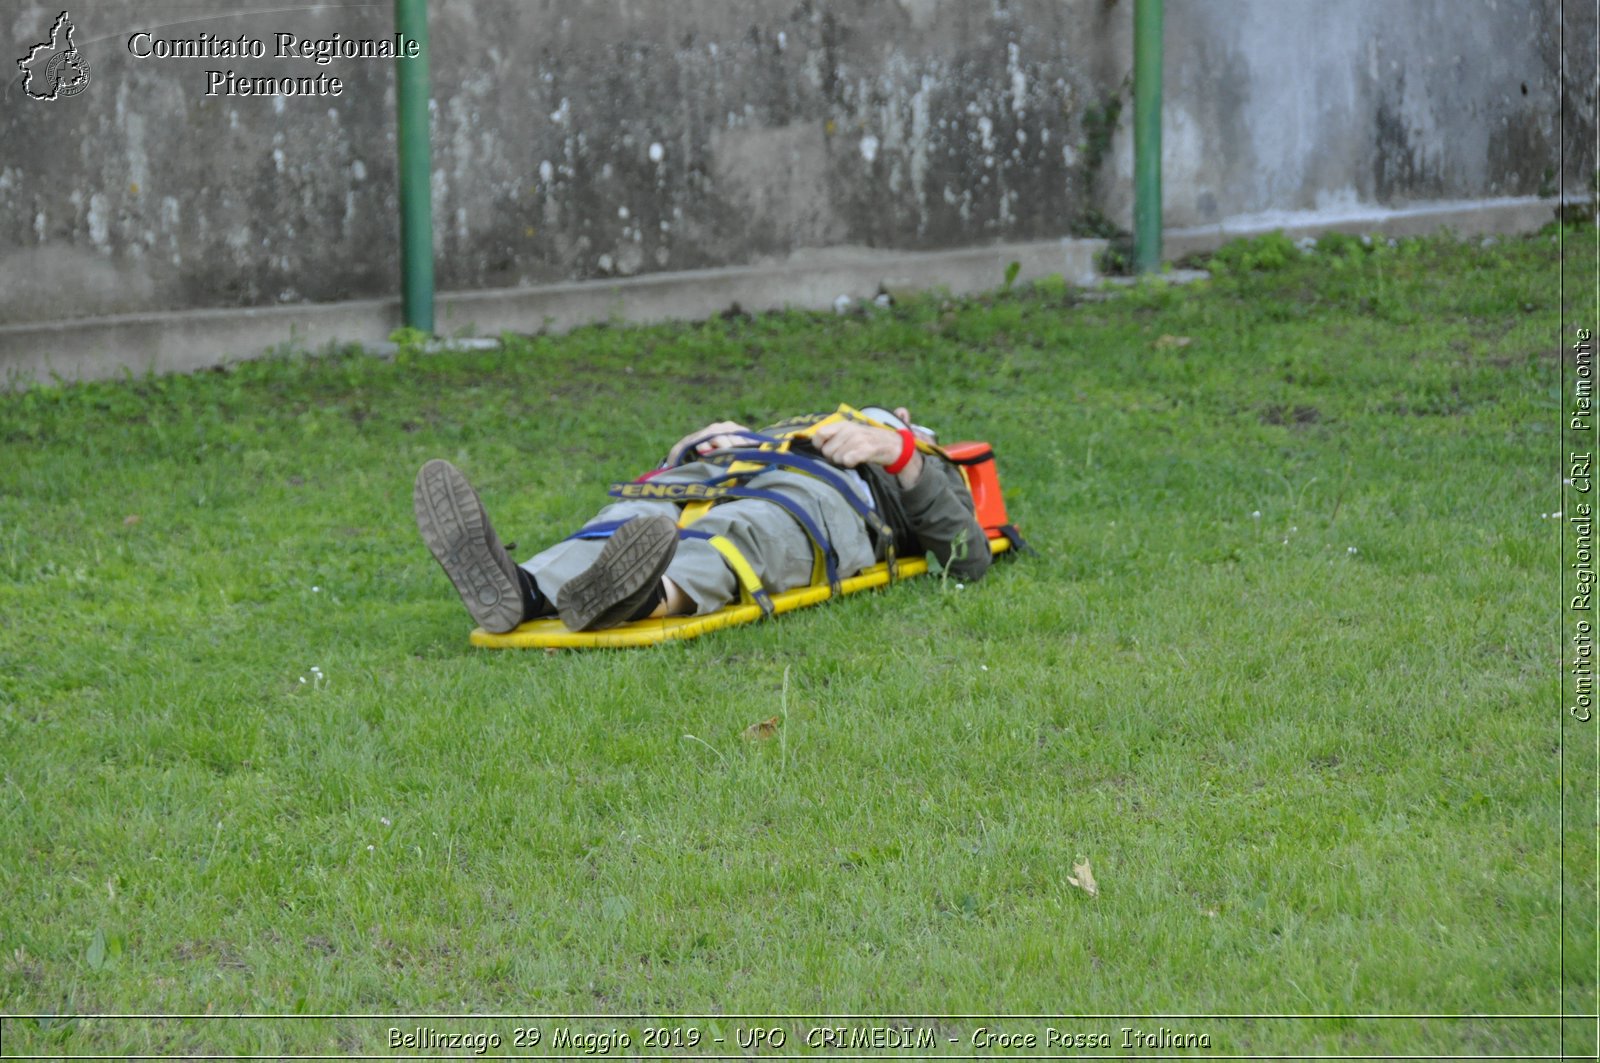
<point x="1284" y="672"/>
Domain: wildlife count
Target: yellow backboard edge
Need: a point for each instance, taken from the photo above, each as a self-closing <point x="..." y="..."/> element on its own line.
<point x="550" y="634"/>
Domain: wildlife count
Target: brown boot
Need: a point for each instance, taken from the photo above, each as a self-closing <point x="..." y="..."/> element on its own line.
<point x="622" y="578"/>
<point x="453" y="523"/>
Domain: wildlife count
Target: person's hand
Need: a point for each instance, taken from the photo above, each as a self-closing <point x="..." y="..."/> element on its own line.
<point x="920" y="432"/>
<point x="850" y="443"/>
<point x="724" y="434"/>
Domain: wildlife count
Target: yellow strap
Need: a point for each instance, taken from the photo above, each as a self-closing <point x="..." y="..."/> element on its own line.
<point x="846" y="412"/>
<point x="695" y="510"/>
<point x="749" y="582"/>
<point x="692" y="512"/>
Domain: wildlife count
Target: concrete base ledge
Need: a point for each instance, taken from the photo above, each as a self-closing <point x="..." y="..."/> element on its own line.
<point x="1476" y="217"/>
<point x="97" y="348"/>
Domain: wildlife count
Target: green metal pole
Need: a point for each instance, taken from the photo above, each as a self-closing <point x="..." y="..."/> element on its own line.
<point x="1147" y="135"/>
<point x="416" y="188"/>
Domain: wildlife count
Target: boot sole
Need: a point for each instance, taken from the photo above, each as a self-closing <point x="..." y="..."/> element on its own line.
<point x="609" y="591"/>
<point x="453" y="524"/>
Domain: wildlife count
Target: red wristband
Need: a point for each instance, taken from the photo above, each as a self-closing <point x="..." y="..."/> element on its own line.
<point x="908" y="447"/>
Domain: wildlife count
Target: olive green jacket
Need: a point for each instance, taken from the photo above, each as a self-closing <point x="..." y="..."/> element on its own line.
<point x="932" y="516"/>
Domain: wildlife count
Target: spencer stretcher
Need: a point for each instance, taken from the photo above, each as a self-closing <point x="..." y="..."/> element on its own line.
<point x="774" y="448"/>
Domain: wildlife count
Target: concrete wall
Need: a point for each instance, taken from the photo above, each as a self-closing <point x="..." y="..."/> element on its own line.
<point x="613" y="138"/>
<point x="1282" y="105"/>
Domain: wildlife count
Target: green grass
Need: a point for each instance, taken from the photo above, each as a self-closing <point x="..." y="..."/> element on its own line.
<point x="1284" y="671"/>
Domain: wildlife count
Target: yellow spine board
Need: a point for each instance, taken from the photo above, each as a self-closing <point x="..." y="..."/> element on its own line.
<point x="551" y="634"/>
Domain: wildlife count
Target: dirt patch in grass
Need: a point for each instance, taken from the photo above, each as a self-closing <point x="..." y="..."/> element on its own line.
<point x="1290" y="415"/>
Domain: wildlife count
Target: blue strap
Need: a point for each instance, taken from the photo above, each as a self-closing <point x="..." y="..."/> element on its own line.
<point x="599" y="530"/>
<point x="828" y="474"/>
<point x="819" y="540"/>
<point x="606" y="528"/>
<point x="667" y="490"/>
<point x="687" y="454"/>
<point x="824" y="548"/>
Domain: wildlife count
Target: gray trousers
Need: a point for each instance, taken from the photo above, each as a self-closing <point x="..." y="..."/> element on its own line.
<point x="774" y="543"/>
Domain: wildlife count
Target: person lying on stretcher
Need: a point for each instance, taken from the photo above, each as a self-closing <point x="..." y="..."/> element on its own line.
<point x="849" y="489"/>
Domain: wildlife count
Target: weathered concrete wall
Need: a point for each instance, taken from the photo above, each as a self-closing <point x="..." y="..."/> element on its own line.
<point x="612" y="138"/>
<point x="1571" y="49"/>
<point x="1281" y="105"/>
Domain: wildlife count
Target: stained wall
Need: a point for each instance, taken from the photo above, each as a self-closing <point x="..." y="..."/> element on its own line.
<point x="605" y="138"/>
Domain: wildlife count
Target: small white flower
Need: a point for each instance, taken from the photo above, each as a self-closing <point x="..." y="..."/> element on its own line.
<point x="1286" y="542"/>
<point x="882" y="301"/>
<point x="1544" y="516"/>
<point x="961" y="586"/>
<point x="1557" y="513"/>
<point x="385" y="821"/>
<point x="1351" y="550"/>
<point x="983" y="667"/>
<point x="1256" y="515"/>
<point x="302" y="679"/>
<point x="842" y="304"/>
<point x="315" y="589"/>
<point x="372" y="848"/>
<point x="1294" y="527"/>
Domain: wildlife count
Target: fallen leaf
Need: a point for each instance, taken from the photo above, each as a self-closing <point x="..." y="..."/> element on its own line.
<point x="131" y="519"/>
<point x="1169" y="340"/>
<point x="760" y="732"/>
<point x="1083" y="878"/>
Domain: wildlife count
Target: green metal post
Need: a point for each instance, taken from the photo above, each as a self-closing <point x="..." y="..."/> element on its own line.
<point x="416" y="188"/>
<point x="1147" y="135"/>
